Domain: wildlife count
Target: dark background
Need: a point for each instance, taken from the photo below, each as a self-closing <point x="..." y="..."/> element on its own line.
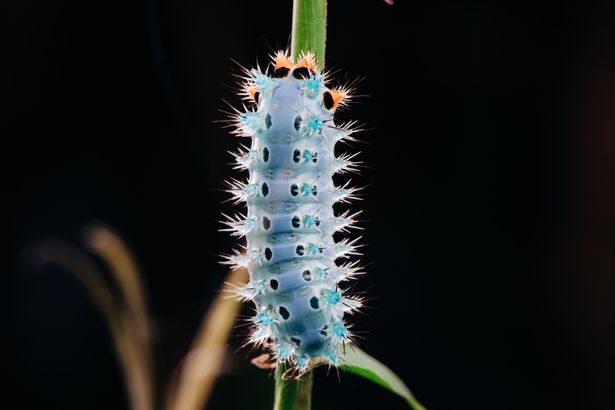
<point x="491" y="209"/>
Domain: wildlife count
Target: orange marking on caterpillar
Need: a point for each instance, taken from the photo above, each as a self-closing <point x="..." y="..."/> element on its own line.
<point x="308" y="62"/>
<point x="282" y="60"/>
<point x="254" y="93"/>
<point x="332" y="98"/>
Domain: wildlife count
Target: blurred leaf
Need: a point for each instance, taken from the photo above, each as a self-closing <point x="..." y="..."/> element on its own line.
<point x="360" y="363"/>
<point x="119" y="320"/>
<point x="201" y="365"/>
<point x="112" y="249"/>
<point x="123" y="268"/>
<point x="127" y="318"/>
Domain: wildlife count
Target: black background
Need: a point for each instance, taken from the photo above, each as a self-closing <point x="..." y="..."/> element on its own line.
<point x="490" y="210"/>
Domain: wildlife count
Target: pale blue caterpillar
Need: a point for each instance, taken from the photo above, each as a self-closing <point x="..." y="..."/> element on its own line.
<point x="291" y="253"/>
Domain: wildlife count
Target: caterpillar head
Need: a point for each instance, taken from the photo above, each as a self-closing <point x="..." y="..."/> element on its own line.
<point x="305" y="69"/>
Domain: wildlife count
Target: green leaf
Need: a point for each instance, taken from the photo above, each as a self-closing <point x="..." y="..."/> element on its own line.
<point x="309" y="29"/>
<point x="360" y="363"/>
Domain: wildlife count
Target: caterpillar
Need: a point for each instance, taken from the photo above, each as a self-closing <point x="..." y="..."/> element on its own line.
<point x="296" y="277"/>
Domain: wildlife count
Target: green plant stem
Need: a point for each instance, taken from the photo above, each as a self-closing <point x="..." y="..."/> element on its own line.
<point x="293" y="394"/>
<point x="309" y="33"/>
<point x="309" y="29"/>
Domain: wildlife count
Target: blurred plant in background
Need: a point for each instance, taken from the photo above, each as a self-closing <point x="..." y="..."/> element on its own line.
<point x="121" y="299"/>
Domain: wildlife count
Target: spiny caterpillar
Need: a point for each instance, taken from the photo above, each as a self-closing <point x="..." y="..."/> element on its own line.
<point x="295" y="282"/>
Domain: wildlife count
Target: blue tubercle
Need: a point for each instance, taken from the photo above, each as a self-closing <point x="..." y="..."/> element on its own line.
<point x="306" y="189"/>
<point x="339" y="330"/>
<point x="314" y="125"/>
<point x="313" y="249"/>
<point x="309" y="221"/>
<point x="332" y="297"/>
<point x="314" y="85"/>
<point x="263" y="318"/>
<point x="251" y="120"/>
